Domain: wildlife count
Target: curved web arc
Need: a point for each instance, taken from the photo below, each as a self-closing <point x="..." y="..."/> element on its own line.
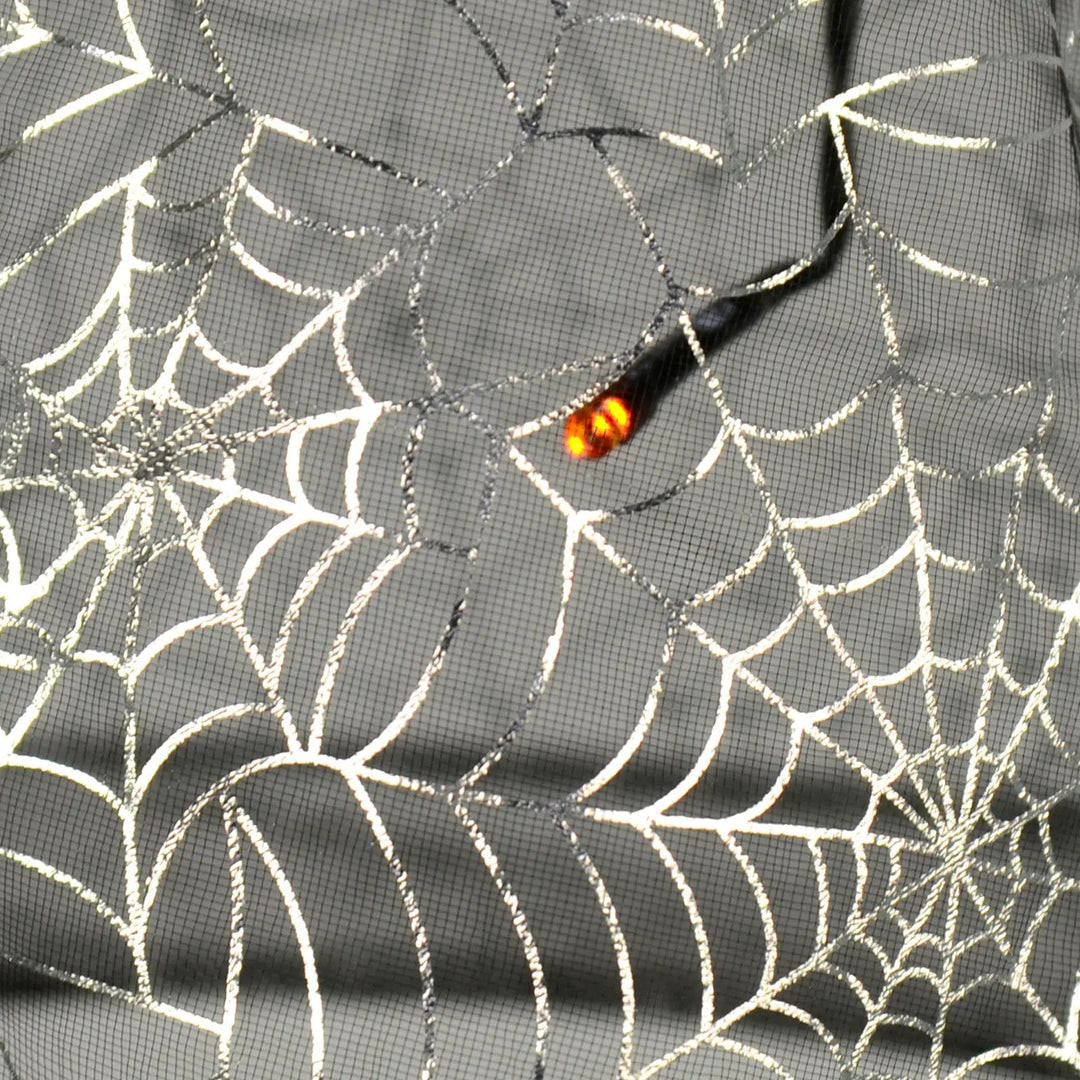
<point x="211" y="519"/>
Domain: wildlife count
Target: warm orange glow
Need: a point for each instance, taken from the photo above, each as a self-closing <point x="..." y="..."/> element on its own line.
<point x="597" y="428"/>
<point x="619" y="412"/>
<point x="600" y="426"/>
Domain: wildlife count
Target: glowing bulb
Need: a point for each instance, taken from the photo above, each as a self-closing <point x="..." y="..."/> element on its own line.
<point x="597" y="428"/>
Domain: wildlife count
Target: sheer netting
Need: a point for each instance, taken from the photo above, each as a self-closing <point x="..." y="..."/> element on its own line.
<point x="539" y="540"/>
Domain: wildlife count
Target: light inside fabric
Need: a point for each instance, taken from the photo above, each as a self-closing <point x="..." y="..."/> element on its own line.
<point x="539" y="540"/>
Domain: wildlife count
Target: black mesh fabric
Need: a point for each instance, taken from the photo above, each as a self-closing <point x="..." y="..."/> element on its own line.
<point x="358" y="722"/>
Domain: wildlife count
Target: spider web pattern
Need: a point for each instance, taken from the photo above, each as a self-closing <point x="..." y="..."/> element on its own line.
<point x="776" y="703"/>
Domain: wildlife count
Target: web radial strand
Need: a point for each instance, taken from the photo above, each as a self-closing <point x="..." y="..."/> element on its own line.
<point x="539" y="540"/>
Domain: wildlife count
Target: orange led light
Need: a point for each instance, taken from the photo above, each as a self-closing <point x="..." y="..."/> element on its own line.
<point x="597" y="428"/>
